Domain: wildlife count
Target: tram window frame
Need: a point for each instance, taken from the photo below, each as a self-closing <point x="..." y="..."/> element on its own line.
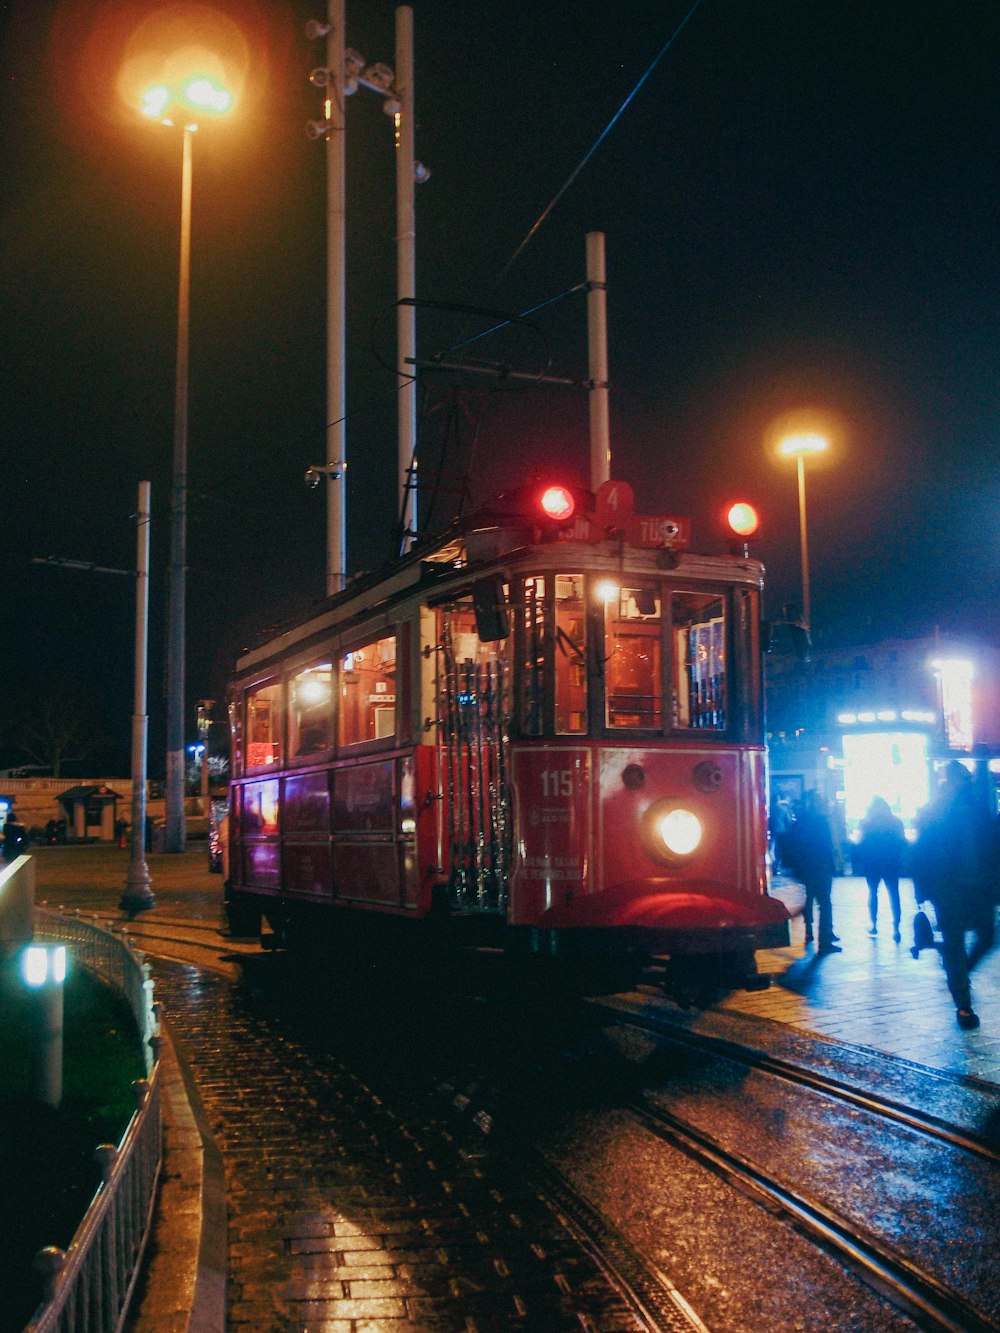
<point x="274" y="687"/>
<point x="677" y="663"/>
<point x="605" y="598"/>
<point x="746" y="679"/>
<point x="570" y="669"/>
<point x="345" y="715"/>
<point x="327" y="717"/>
<point x="533" y="696"/>
<point x="234" y="710"/>
<point x="543" y="656"/>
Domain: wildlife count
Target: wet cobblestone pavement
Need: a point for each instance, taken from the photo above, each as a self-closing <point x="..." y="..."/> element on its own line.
<point x="347" y="1213"/>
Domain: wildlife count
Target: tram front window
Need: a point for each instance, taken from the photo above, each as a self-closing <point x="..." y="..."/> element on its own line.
<point x="571" y="656"/>
<point x="533" y="673"/>
<point x="699" y="652"/>
<point x="633" y="658"/>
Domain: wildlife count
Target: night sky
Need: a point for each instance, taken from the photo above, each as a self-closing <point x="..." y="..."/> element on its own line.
<point x="801" y="211"/>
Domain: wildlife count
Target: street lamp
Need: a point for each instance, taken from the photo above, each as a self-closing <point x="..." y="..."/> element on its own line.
<point x="182" y="103"/>
<point x="799" y="447"/>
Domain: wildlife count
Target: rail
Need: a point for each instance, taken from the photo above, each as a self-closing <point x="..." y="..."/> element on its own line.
<point x="88" y="1287"/>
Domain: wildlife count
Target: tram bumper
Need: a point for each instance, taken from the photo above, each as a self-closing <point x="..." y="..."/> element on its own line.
<point x="662" y="916"/>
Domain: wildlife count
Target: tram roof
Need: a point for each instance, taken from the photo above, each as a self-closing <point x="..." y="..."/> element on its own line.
<point x="469" y="550"/>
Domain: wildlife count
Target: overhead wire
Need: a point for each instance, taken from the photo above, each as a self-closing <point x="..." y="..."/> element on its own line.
<point x="536" y="225"/>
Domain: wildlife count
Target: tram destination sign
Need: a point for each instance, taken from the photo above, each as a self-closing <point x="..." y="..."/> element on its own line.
<point x="651" y="531"/>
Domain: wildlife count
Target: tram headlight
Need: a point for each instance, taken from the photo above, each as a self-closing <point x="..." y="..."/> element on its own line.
<point x="672" y="832"/>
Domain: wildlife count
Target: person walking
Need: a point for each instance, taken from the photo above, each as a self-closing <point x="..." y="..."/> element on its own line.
<point x="955" y="867"/>
<point x="879" y="858"/>
<point x="811" y="856"/>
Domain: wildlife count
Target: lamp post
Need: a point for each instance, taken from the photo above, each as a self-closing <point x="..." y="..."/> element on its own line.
<point x="799" y="447"/>
<point x="196" y="96"/>
<point x="138" y="895"/>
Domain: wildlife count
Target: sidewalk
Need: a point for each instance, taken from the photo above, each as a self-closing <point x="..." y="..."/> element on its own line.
<point x="874" y="993"/>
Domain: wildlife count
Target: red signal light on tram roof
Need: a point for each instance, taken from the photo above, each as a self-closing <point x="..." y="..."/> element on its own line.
<point x="743" y="519"/>
<point x="557" y="503"/>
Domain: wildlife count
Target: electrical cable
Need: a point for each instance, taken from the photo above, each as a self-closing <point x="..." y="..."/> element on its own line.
<point x="595" y="146"/>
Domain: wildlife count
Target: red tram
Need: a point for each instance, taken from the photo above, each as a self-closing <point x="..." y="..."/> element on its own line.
<point x="543" y="731"/>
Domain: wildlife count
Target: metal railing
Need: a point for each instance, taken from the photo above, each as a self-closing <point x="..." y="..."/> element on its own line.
<point x="87" y="1288"/>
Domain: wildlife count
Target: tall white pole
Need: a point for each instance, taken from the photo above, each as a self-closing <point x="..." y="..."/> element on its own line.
<point x="138" y="895"/>
<point x="804" y="543"/>
<point x="336" y="403"/>
<point x="597" y="356"/>
<point x="406" y="280"/>
<point x="175" y="831"/>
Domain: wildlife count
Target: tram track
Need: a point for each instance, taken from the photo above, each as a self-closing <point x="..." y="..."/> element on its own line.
<point x="887" y="1108"/>
<point x="930" y="1303"/>
<point x="888" y="1269"/>
<point x="656" y="1302"/>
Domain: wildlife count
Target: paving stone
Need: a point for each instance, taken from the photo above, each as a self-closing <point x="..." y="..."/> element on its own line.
<point x="344" y="1212"/>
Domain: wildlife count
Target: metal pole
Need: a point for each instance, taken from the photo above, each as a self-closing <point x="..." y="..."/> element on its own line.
<point x="597" y="356"/>
<point x="175" y="826"/>
<point x="406" y="281"/>
<point x="336" y="449"/>
<point x="49" y="1043"/>
<point x="803" y="543"/>
<point x="138" y="896"/>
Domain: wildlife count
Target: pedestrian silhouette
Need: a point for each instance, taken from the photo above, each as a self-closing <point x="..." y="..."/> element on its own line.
<point x="955" y="867"/>
<point x="879" y="857"/>
<point x="15" y="837"/>
<point x="810" y="854"/>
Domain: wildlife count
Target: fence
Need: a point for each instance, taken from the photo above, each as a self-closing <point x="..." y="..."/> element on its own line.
<point x="88" y="1287"/>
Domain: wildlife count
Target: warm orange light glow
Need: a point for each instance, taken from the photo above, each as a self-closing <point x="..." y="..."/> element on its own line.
<point x="796" y="446"/>
<point x="200" y="94"/>
<point x="193" y="51"/>
<point x="743" y="519"/>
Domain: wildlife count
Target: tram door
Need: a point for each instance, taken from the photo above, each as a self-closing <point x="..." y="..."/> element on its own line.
<point x="474" y="702"/>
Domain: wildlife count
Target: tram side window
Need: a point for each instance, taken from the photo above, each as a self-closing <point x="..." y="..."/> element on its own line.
<point x="264" y="725"/>
<point x="368" y="692"/>
<point x="570" y="656"/>
<point x="699" y="670"/>
<point x="533" y="682"/>
<point x="633" y="658"/>
<point x="310" y="710"/>
<point x="259" y="809"/>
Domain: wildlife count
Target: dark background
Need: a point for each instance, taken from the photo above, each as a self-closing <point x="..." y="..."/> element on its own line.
<point x="800" y="207"/>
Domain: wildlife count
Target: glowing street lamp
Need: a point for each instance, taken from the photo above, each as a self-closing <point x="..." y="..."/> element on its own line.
<point x="800" y="447"/>
<point x="184" y="103"/>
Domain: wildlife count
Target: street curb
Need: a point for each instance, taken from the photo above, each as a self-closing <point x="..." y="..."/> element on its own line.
<point x="185" y="1283"/>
